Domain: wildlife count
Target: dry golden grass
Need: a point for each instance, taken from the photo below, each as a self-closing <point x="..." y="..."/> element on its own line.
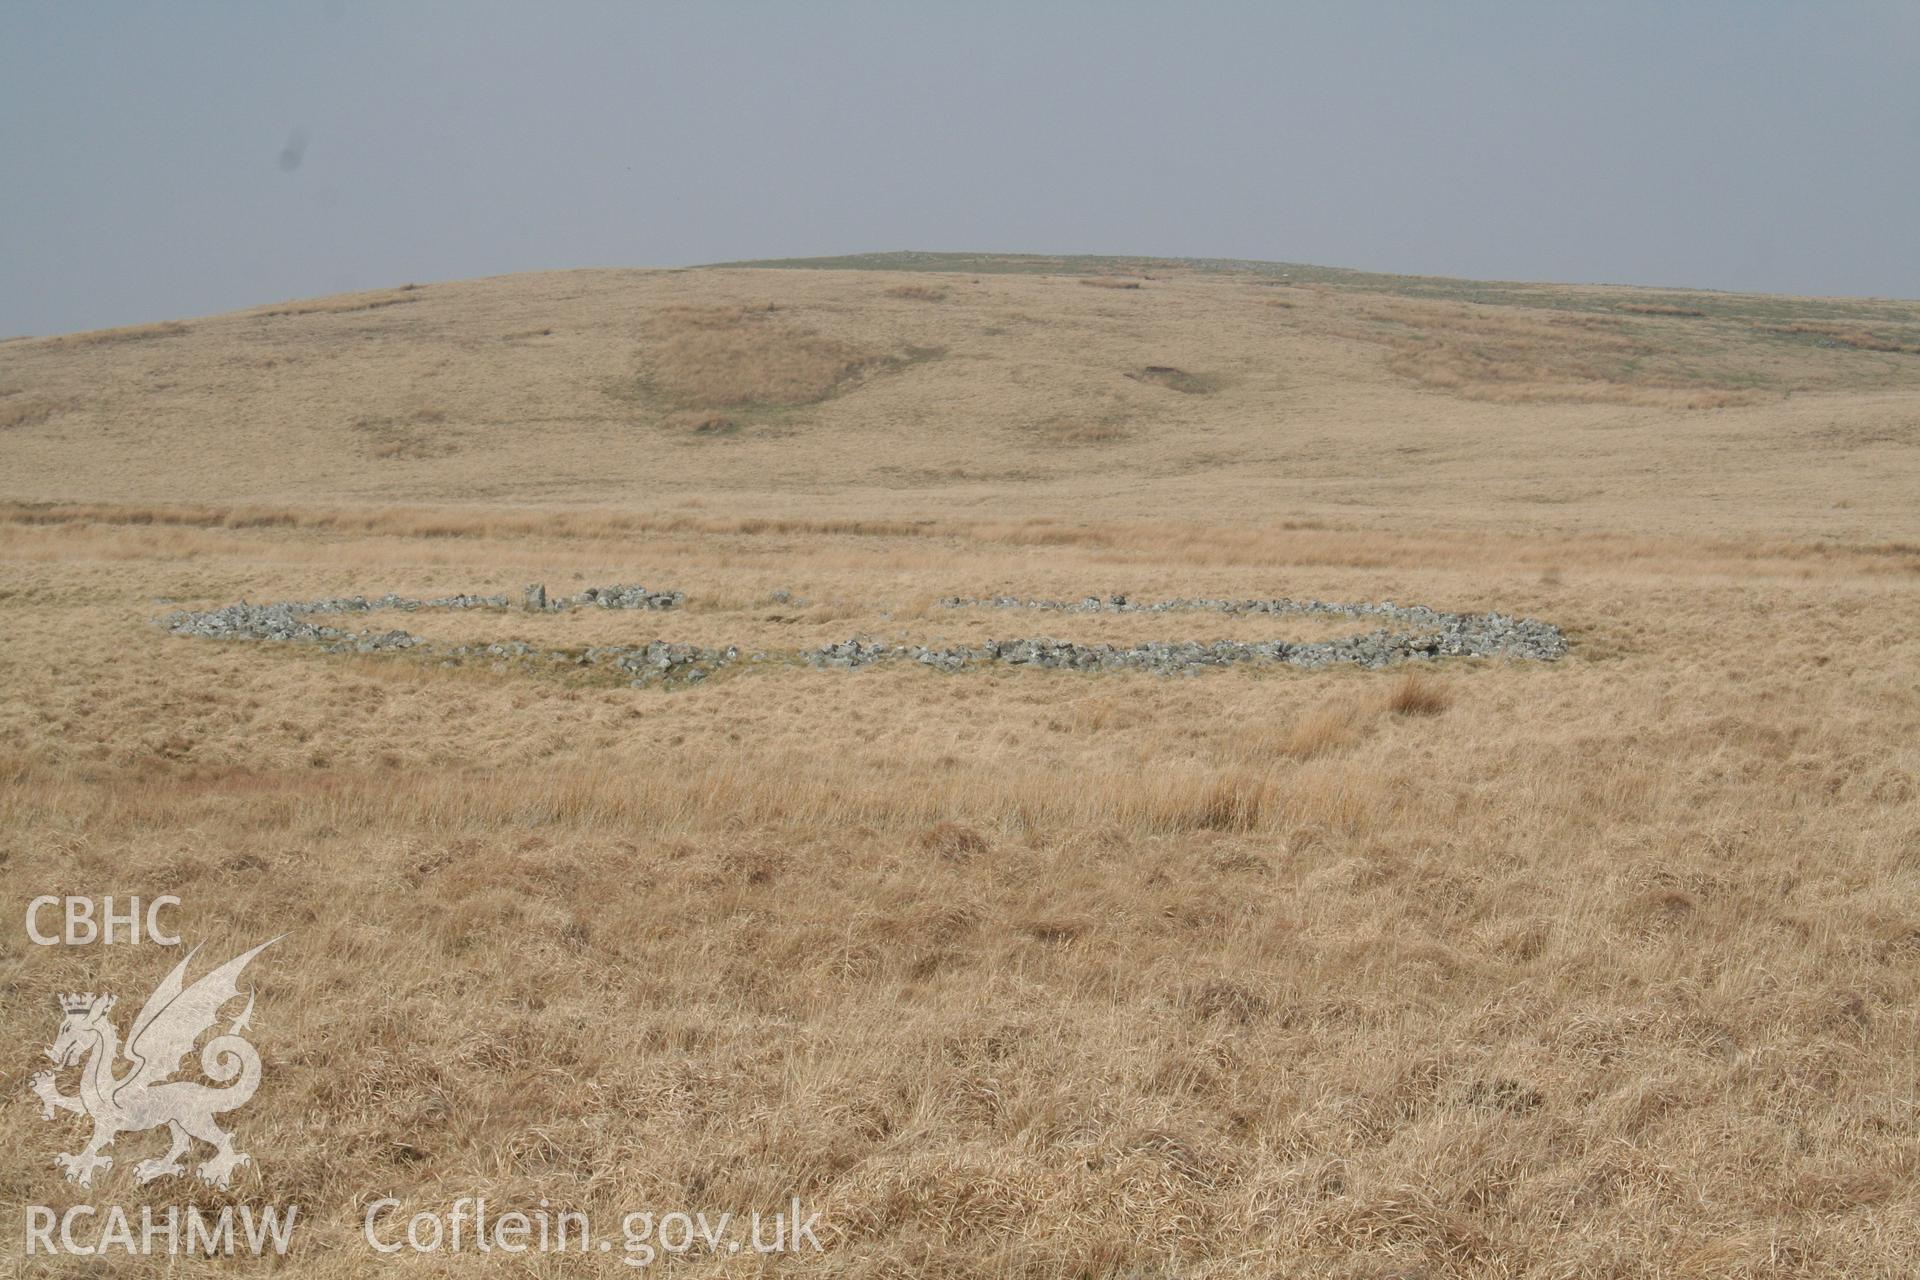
<point x="1608" y="968"/>
<point x="1512" y="355"/>
<point x="114" y="337"/>
<point x="343" y="304"/>
<point x="1108" y="427"/>
<point x="1172" y="379"/>
<point x="408" y="437"/>
<point x="1326" y="411"/>
<point x="1859" y="338"/>
<point x="27" y="411"/>
<point x="1417" y="694"/>
<point x="705" y="424"/>
<point x="1515" y="354"/>
<point x="1658" y="309"/>
<point x="742" y="356"/>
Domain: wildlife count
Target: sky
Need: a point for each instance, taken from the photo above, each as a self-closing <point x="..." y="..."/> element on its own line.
<point x="171" y="160"/>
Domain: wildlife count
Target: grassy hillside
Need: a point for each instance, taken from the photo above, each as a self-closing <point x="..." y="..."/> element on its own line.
<point x="1600" y="967"/>
<point x="1047" y="384"/>
<point x="1556" y="297"/>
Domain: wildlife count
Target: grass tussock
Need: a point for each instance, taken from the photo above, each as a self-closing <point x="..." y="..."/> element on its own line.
<point x="1659" y="309"/>
<point x="1418" y="693"/>
<point x="954" y="841"/>
<point x="918" y="292"/>
<point x="1327" y="730"/>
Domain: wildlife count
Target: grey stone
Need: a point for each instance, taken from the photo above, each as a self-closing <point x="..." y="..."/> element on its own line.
<point x="1422" y="634"/>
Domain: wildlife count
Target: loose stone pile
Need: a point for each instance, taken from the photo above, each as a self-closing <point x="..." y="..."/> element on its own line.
<point x="284" y="621"/>
<point x="1424" y="634"/>
<point x="1414" y="613"/>
<point x="1450" y="635"/>
<point x="1429" y="633"/>
<point x="287" y="620"/>
<point x="360" y="604"/>
<point x="535" y="599"/>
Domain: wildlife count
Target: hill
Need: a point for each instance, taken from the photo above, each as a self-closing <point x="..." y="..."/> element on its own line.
<point x="893" y="384"/>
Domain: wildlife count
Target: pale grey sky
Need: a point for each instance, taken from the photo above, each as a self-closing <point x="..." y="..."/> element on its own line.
<point x="163" y="160"/>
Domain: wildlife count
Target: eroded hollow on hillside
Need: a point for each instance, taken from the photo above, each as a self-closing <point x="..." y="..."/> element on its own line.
<point x="711" y="369"/>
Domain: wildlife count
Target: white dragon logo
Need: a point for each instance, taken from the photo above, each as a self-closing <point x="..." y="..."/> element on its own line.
<point x="174" y="1017"/>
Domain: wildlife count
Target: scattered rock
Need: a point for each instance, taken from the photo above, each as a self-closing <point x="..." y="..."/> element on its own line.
<point x="619" y="597"/>
<point x="1426" y="633"/>
<point x="1422" y="634"/>
<point x="288" y="620"/>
